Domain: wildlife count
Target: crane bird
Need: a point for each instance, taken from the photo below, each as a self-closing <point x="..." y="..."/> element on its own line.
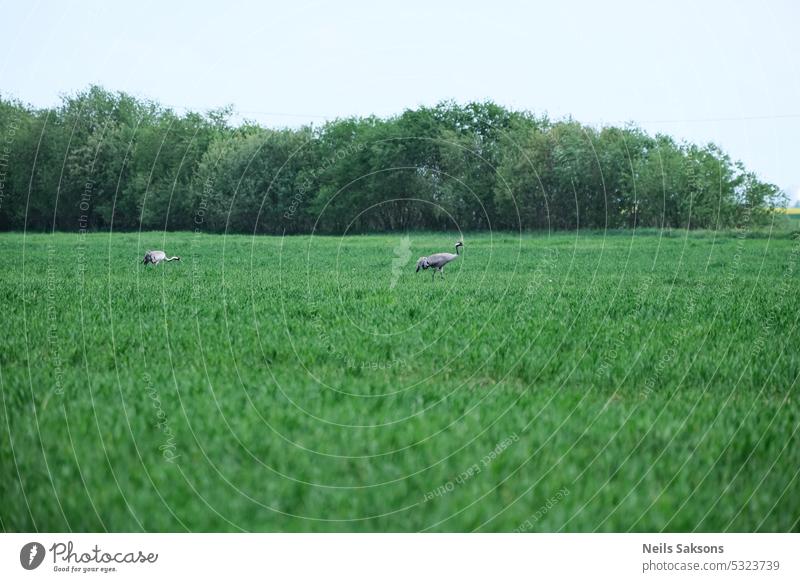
<point x="155" y="257"/>
<point x="438" y="261"/>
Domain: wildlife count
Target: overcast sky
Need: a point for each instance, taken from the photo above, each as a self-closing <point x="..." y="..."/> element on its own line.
<point x="726" y="72"/>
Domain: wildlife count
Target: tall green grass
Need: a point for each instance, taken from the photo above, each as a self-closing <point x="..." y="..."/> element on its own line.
<point x="548" y="383"/>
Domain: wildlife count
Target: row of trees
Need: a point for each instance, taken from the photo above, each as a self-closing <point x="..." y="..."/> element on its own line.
<point x="106" y="160"/>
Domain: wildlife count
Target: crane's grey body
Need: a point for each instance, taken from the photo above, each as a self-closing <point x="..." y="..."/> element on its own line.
<point x="156" y="257"/>
<point x="438" y="261"/>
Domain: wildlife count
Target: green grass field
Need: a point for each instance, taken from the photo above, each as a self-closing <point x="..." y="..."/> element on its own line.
<point x="608" y="382"/>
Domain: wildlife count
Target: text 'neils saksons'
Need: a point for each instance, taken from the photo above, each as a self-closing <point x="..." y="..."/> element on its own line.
<point x="663" y="548"/>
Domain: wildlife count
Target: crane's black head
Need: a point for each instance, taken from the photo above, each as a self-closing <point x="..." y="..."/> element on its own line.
<point x="459" y="245"/>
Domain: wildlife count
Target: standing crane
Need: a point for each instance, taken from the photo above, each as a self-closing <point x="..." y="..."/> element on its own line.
<point x="156" y="257"/>
<point x="438" y="261"/>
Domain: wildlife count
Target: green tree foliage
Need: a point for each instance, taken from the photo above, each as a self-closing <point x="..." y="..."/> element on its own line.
<point x="105" y="160"/>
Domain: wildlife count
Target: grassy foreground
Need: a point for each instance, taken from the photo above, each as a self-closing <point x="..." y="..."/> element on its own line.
<point x="606" y="382"/>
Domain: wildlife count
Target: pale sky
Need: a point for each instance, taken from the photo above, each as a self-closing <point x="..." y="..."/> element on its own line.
<point x="727" y="72"/>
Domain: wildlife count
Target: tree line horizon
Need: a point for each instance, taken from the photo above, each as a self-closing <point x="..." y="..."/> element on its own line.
<point x="102" y="160"/>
